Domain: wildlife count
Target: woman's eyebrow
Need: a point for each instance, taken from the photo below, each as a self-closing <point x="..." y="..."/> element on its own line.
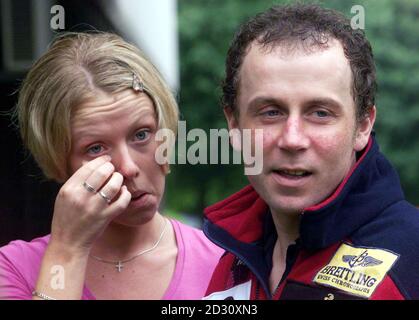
<point x="84" y="135"/>
<point x="92" y="131"/>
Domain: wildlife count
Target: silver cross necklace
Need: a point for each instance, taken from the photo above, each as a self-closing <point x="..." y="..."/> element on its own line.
<point x="119" y="264"/>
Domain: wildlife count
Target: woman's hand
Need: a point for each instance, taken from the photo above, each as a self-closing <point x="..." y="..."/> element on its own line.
<point x="80" y="214"/>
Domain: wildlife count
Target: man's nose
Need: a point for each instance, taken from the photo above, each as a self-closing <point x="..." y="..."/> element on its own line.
<point x="293" y="135"/>
<point x="124" y="160"/>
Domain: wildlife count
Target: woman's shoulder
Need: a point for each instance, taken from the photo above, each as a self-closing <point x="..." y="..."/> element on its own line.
<point x="195" y="238"/>
<point x="19" y="267"/>
<point x="20" y="250"/>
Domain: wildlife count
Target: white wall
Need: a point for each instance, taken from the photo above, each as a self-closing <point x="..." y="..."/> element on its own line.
<point x="152" y="26"/>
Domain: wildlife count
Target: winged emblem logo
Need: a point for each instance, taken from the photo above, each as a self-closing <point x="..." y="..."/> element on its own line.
<point x="363" y="260"/>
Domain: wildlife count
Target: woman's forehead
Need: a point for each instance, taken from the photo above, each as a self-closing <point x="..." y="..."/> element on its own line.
<point x="103" y="103"/>
<point x="122" y="107"/>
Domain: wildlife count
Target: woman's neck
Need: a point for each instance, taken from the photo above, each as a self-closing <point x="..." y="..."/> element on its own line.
<point x="120" y="241"/>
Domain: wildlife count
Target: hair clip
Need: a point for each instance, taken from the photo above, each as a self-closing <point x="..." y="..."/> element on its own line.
<point x="137" y="85"/>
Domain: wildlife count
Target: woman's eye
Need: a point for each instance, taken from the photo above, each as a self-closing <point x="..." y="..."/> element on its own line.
<point x="142" y="135"/>
<point x="96" y="149"/>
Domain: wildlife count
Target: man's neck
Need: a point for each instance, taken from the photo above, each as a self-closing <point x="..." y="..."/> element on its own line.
<point x="287" y="228"/>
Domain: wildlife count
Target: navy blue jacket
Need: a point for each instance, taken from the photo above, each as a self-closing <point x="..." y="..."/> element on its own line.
<point x="360" y="243"/>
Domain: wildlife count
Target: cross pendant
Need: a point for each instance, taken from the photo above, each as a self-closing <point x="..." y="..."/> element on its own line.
<point x="119" y="266"/>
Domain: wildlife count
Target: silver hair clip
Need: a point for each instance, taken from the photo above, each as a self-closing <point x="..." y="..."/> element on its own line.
<point x="137" y="85"/>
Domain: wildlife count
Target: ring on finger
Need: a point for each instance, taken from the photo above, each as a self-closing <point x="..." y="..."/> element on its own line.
<point x="89" y="188"/>
<point x="105" y="197"/>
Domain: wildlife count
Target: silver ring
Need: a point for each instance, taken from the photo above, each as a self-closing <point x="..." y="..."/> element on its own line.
<point x="104" y="196"/>
<point x="89" y="188"/>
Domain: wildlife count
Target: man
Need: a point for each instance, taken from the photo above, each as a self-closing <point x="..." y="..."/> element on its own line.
<point x="326" y="218"/>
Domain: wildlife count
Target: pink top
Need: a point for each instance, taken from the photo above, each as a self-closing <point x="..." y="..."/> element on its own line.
<point x="197" y="257"/>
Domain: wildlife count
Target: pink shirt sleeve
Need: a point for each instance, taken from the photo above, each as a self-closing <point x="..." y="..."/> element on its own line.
<point x="19" y="267"/>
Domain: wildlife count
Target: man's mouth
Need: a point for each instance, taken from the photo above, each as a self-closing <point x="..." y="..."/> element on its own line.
<point x="293" y="173"/>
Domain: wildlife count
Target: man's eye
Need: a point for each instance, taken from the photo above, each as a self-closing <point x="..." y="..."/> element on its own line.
<point x="321" y="113"/>
<point x="96" y="149"/>
<point x="142" y="135"/>
<point x="271" y="113"/>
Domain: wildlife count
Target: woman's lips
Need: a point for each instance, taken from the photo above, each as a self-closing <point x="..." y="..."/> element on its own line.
<point x="140" y="199"/>
<point x="137" y="195"/>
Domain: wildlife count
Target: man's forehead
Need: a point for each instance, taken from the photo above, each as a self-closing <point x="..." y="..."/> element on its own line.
<point x="298" y="75"/>
<point x="291" y="49"/>
<point x="291" y="46"/>
<point x="327" y="61"/>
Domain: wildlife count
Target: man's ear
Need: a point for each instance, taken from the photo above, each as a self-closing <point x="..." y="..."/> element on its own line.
<point x="364" y="129"/>
<point x="231" y="118"/>
<point x="233" y="127"/>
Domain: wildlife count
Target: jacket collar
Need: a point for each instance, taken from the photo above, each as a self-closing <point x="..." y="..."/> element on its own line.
<point x="370" y="187"/>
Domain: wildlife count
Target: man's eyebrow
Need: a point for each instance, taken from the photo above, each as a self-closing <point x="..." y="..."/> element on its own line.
<point x="262" y="100"/>
<point x="320" y="101"/>
<point x="327" y="102"/>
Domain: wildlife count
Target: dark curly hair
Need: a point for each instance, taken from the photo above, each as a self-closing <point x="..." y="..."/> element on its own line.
<point x="312" y="26"/>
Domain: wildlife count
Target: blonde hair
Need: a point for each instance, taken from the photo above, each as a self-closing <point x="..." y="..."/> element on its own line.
<point x="76" y="65"/>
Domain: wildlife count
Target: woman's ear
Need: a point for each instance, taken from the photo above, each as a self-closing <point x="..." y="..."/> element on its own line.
<point x="364" y="128"/>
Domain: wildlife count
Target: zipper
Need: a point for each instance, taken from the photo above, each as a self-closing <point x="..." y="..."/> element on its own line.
<point x="240" y="257"/>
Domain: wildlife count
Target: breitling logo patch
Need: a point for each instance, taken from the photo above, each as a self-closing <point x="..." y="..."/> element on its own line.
<point x="363" y="260"/>
<point x="355" y="270"/>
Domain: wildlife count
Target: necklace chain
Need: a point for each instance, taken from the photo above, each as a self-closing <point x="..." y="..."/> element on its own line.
<point x="119" y="264"/>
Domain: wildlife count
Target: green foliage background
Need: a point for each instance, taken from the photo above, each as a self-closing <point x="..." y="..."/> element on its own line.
<point x="206" y="28"/>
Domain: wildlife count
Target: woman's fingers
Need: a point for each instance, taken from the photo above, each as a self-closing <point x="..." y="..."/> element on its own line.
<point x="120" y="203"/>
<point x="92" y="197"/>
<point x="99" y="177"/>
<point x="104" y="186"/>
<point x="112" y="188"/>
<point x="86" y="170"/>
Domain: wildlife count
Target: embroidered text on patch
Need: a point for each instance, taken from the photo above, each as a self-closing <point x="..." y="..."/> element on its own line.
<point x="355" y="270"/>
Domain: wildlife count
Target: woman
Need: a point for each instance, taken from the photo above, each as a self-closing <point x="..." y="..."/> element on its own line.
<point x="89" y="110"/>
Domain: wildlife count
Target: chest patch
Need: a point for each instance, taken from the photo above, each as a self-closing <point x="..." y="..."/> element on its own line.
<point x="356" y="270"/>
